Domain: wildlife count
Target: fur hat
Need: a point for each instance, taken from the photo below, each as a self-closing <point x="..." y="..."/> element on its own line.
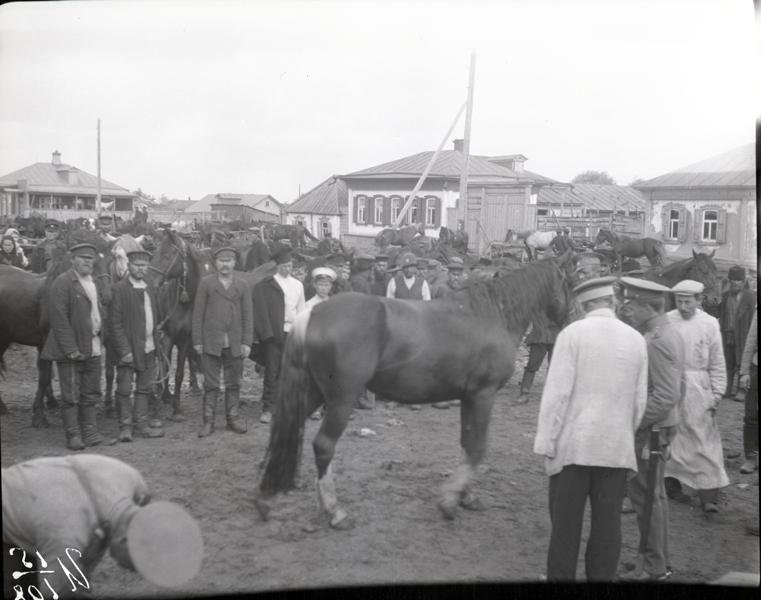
<point x="736" y="273"/>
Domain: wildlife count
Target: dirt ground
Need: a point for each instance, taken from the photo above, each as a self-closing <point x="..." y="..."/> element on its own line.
<point x="389" y="482"/>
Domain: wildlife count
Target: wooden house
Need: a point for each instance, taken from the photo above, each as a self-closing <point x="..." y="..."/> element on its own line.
<point x="232" y="207"/>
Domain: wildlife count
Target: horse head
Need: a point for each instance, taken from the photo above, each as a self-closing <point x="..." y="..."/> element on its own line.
<point x="169" y="260"/>
<point x="703" y="269"/>
<point x="604" y="236"/>
<point x="562" y="299"/>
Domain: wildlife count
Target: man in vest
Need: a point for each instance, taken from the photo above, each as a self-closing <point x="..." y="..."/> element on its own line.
<point x="408" y="284"/>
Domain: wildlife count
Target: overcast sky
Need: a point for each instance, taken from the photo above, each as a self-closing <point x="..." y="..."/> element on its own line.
<point x="264" y="97"/>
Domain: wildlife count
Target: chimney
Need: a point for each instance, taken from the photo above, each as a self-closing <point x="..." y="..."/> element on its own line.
<point x="56" y="157"/>
<point x="459" y="145"/>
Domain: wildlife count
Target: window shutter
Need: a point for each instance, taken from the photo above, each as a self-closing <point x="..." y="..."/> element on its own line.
<point x="356" y="209"/>
<point x="721" y="229"/>
<point x="682" y="233"/>
<point x="386" y="210"/>
<point x="437" y="220"/>
<point x="665" y="213"/>
<point x="697" y="225"/>
<point x="420" y="210"/>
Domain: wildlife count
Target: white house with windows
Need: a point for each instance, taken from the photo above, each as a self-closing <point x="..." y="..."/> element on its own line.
<point x="709" y="205"/>
<point x="319" y="209"/>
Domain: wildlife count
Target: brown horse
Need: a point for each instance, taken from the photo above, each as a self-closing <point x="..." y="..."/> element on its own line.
<point x="296" y="234"/>
<point x="457" y="240"/>
<point x="623" y="245"/>
<point x="700" y="267"/>
<point x="411" y="352"/>
<point x="398" y="237"/>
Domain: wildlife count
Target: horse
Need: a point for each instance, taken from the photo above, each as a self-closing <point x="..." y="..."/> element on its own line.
<point x="179" y="267"/>
<point x="24" y="318"/>
<point x="463" y="347"/>
<point x="700" y="267"/>
<point x="295" y="233"/>
<point x="532" y="240"/>
<point x="398" y="237"/>
<point x="457" y="240"/>
<point x="633" y="247"/>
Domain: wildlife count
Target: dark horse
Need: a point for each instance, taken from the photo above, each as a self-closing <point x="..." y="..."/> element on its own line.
<point x="179" y="267"/>
<point x="24" y="318"/>
<point x="700" y="267"/>
<point x="410" y="352"/>
<point x="296" y="234"/>
<point x="457" y="240"/>
<point x="398" y="237"/>
<point x="622" y="245"/>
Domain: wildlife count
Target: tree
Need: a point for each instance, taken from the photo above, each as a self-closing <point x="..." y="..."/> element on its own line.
<point x="600" y="177"/>
<point x="637" y="181"/>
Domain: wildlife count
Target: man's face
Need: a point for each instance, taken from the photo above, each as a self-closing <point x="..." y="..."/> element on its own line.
<point x="635" y="313"/>
<point x="456" y="278"/>
<point x="299" y="272"/>
<point x="409" y="270"/>
<point x="225" y="263"/>
<point x="687" y="305"/>
<point x="51" y="234"/>
<point x="83" y="265"/>
<point x="381" y="266"/>
<point x="588" y="269"/>
<point x="8" y="246"/>
<point x="137" y="268"/>
<point x="322" y="287"/>
<point x="285" y="269"/>
<point x="344" y="270"/>
<point x="735" y="286"/>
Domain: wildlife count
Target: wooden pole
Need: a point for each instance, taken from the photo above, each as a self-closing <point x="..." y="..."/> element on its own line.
<point x="97" y="198"/>
<point x="462" y="207"/>
<point x="427" y="170"/>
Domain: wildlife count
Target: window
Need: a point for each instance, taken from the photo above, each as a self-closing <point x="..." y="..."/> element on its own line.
<point x="396" y="208"/>
<point x="361" y="212"/>
<point x="673" y="230"/>
<point x="413" y="213"/>
<point x="710" y="225"/>
<point x="430" y="211"/>
<point x="378" y="210"/>
<point x="542" y="212"/>
<point x="325" y="225"/>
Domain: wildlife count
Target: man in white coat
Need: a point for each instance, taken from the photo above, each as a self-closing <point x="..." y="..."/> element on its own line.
<point x="593" y="401"/>
<point x="697" y="458"/>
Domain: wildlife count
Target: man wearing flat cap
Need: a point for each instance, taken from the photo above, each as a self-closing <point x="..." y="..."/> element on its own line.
<point x="592" y="404"/>
<point x="277" y="300"/>
<point x="361" y="277"/>
<point x="258" y="253"/>
<point x="697" y="457"/>
<point x="72" y="509"/>
<point x="223" y="331"/>
<point x="380" y="277"/>
<point x="738" y="305"/>
<point x="643" y="307"/>
<point x="75" y="343"/>
<point x="455" y="279"/>
<point x="43" y="253"/>
<point x="134" y="341"/>
<point x="408" y="284"/>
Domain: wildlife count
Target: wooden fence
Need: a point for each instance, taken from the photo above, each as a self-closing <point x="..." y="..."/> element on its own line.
<point x="586" y="228"/>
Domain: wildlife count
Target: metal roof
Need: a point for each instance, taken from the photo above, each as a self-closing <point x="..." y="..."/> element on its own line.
<point x="448" y="164"/>
<point x="594" y="197"/>
<point x="325" y="199"/>
<point x="251" y="200"/>
<point x="50" y="178"/>
<point x="735" y="168"/>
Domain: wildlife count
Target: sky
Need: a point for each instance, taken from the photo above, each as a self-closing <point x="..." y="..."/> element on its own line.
<point x="271" y="97"/>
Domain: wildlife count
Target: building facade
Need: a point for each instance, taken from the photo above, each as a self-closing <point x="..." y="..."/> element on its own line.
<point x="248" y="208"/>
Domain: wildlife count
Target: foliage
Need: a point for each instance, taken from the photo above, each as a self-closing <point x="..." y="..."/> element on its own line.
<point x="600" y="177"/>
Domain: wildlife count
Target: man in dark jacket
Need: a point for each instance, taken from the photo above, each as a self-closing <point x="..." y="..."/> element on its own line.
<point x="361" y="278"/>
<point x="42" y="255"/>
<point x="75" y="343"/>
<point x="735" y="313"/>
<point x="379" y="281"/>
<point x="133" y="339"/>
<point x="259" y="253"/>
<point x="223" y="331"/>
<point x="277" y="300"/>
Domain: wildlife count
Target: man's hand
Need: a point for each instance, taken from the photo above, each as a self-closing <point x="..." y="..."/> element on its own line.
<point x="76" y="355"/>
<point x="245" y="350"/>
<point x="744" y="382"/>
<point x="127" y="359"/>
<point x="198" y="349"/>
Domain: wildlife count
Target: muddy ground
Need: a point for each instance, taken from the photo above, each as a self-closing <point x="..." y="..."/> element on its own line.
<point x="389" y="482"/>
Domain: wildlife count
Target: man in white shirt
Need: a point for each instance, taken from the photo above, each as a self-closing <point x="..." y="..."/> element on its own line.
<point x="408" y="284"/>
<point x="277" y="300"/>
<point x="593" y="401"/>
<point x="133" y="339"/>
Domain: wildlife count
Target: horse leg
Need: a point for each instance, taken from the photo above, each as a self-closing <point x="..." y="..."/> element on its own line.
<point x="475" y="413"/>
<point x="334" y="423"/>
<point x="179" y="373"/>
<point x="44" y="377"/>
<point x="109" y="399"/>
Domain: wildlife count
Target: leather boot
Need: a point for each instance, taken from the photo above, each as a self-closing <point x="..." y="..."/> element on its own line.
<point x="90" y="434"/>
<point x="143" y="428"/>
<point x="155" y="419"/>
<point x="124" y="413"/>
<point x="526" y="383"/>
<point x="232" y="406"/>
<point x="209" y="407"/>
<point x="71" y="427"/>
<point x="178" y="416"/>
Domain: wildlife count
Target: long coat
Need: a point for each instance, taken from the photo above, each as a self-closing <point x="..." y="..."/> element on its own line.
<point x="127" y="322"/>
<point x="746" y="308"/>
<point x="218" y="311"/>
<point x="269" y="310"/>
<point x="70" y="321"/>
<point x="258" y="254"/>
<point x="697" y="458"/>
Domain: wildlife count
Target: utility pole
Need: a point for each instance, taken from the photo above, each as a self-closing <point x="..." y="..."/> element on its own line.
<point x="462" y="206"/>
<point x="97" y="198"/>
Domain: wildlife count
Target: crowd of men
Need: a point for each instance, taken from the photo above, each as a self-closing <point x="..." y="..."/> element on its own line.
<point x="641" y="434"/>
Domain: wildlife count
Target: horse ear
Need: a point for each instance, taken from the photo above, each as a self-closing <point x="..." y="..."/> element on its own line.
<point x="694" y="255"/>
<point x="712" y="253"/>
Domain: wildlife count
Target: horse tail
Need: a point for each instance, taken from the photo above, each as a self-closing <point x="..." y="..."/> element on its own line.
<point x="309" y="235"/>
<point x="295" y="386"/>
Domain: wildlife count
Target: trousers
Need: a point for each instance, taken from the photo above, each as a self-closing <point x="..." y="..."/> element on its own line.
<point x="536" y="354"/>
<point x="750" y="420"/>
<point x="655" y="559"/>
<point x="144" y="381"/>
<point x="569" y="490"/>
<point x="230" y="366"/>
<point x="80" y="381"/>
<point x="273" y="354"/>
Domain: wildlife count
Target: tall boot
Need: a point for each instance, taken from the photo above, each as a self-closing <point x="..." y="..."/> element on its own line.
<point x="728" y="393"/>
<point x="526" y="383"/>
<point x="232" y="406"/>
<point x="124" y="412"/>
<point x="154" y="412"/>
<point x="143" y="427"/>
<point x="88" y="420"/>
<point x="71" y="427"/>
<point x="209" y="408"/>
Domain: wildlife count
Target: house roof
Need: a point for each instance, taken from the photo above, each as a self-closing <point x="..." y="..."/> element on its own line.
<point x="172" y="206"/>
<point x="735" y="168"/>
<point x="251" y="200"/>
<point x="594" y="197"/>
<point x="448" y="164"/>
<point x="51" y="178"/>
<point x="325" y="199"/>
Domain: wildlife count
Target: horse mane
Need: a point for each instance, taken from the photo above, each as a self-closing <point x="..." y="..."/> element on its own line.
<point x="514" y="299"/>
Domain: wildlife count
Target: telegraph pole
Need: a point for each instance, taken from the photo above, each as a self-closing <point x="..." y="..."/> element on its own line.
<point x="97" y="198"/>
<point x="462" y="207"/>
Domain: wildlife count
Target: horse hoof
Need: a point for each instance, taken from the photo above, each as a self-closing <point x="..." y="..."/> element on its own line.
<point x="341" y="521"/>
<point x="470" y="502"/>
<point x="40" y="421"/>
<point x="263" y="508"/>
<point x="448" y="509"/>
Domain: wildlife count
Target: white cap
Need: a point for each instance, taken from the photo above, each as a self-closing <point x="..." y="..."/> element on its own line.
<point x="324" y="272"/>
<point x="688" y="287"/>
<point x="594" y="288"/>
